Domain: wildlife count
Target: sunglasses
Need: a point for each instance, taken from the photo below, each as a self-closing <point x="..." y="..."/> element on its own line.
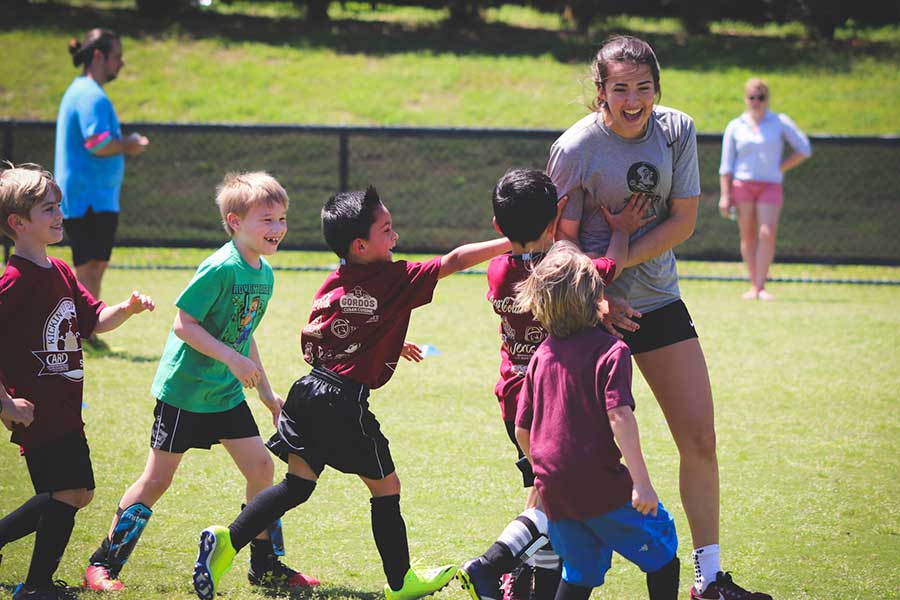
<point x="760" y="97"/>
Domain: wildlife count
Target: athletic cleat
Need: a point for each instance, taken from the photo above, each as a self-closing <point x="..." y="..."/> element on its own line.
<point x="279" y="575"/>
<point x="724" y="588"/>
<point x="214" y="558"/>
<point x="517" y="584"/>
<point x="419" y="585"/>
<point x="479" y="580"/>
<point x="58" y="590"/>
<point x="97" y="578"/>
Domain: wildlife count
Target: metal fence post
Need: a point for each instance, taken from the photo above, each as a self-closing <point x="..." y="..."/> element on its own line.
<point x="344" y="161"/>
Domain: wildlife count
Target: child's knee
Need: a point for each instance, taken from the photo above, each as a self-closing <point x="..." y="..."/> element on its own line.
<point x="262" y="471"/>
<point x="77" y="498"/>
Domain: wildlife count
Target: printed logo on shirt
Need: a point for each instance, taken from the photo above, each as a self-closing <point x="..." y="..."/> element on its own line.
<point x="314" y="327"/>
<point x="342" y="328"/>
<point x="351" y="348"/>
<point x="323" y="302"/>
<point x="358" y="301"/>
<point x="62" y="344"/>
<point x="535" y="335"/>
<point x="249" y="307"/>
<point x="506" y="304"/>
<point x="643" y="177"/>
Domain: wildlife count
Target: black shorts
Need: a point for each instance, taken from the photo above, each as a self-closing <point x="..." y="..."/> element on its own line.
<point x="660" y="328"/>
<point x="326" y="421"/>
<point x="521" y="463"/>
<point x="91" y="236"/>
<point x="177" y="430"/>
<point x="64" y="464"/>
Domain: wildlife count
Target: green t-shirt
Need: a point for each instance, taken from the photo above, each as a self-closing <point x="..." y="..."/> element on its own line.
<point x="229" y="298"/>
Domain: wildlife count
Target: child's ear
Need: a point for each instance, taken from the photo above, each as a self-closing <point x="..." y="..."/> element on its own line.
<point x="233" y="220"/>
<point x="560" y="207"/>
<point x="358" y="246"/>
<point x="14" y="222"/>
<point x="497" y="227"/>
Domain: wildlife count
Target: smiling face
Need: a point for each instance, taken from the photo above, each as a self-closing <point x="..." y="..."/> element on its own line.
<point x="259" y="232"/>
<point x="382" y="238"/>
<point x="627" y="97"/>
<point x="44" y="225"/>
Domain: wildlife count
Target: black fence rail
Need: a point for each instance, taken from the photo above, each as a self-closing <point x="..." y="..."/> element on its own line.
<point x="842" y="206"/>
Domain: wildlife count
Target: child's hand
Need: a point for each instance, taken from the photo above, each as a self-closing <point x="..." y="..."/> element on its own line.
<point x="632" y="216"/>
<point x="411" y="352"/>
<point x="617" y="314"/>
<point x="276" y="405"/>
<point x="17" y="411"/>
<point x="138" y="303"/>
<point x="245" y="370"/>
<point x="644" y="499"/>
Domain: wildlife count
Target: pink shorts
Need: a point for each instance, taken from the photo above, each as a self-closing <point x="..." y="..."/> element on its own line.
<point x="763" y="192"/>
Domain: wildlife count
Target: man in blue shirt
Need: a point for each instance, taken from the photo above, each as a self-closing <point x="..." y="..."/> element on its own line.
<point x="90" y="150"/>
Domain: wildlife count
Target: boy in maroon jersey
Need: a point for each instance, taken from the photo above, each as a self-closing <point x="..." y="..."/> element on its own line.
<point x="526" y="211"/>
<point x="353" y="340"/>
<point x="575" y="422"/>
<point x="46" y="313"/>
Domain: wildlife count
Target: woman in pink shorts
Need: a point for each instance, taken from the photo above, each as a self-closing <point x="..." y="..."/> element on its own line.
<point x="750" y="175"/>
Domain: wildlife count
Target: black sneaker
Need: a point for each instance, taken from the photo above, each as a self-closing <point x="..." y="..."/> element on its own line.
<point x="58" y="590"/>
<point x="480" y="580"/>
<point x="276" y="574"/>
<point x="724" y="588"/>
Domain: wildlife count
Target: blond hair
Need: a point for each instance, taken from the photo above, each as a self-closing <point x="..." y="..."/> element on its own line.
<point x="756" y="83"/>
<point x="240" y="191"/>
<point x="21" y="187"/>
<point x="562" y="291"/>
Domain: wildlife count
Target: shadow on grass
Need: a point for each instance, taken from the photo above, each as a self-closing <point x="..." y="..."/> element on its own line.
<point x="710" y="52"/>
<point x="323" y="592"/>
<point x="118" y="354"/>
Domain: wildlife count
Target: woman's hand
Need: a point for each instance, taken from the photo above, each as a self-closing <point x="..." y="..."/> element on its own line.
<point x="725" y="205"/>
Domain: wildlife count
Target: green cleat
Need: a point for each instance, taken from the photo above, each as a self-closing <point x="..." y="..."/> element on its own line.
<point x="419" y="585"/>
<point x="213" y="560"/>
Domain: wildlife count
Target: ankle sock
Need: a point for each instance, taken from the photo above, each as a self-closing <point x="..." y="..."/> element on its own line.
<point x="706" y="566"/>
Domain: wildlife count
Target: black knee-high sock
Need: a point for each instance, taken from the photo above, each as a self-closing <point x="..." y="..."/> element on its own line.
<point x="546" y="583"/>
<point x="569" y="591"/>
<point x="389" y="532"/>
<point x="53" y="531"/>
<point x="23" y="520"/>
<point x="267" y="507"/>
<point x="663" y="583"/>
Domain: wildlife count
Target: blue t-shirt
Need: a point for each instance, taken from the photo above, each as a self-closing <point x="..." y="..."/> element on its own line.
<point x="85" y="124"/>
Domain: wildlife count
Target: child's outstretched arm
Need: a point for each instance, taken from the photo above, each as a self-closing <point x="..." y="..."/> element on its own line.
<point x="189" y="329"/>
<point x="273" y="401"/>
<point x="15" y="410"/>
<point x="113" y="316"/>
<point x="625" y="429"/>
<point x="470" y="255"/>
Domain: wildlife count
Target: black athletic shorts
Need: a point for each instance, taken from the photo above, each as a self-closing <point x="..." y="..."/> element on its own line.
<point x="326" y="421"/>
<point x="177" y="430"/>
<point x="91" y="236"/>
<point x="660" y="328"/>
<point x="64" y="464"/>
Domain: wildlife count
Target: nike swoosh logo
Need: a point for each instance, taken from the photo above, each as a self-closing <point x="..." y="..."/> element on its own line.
<point x="669" y="145"/>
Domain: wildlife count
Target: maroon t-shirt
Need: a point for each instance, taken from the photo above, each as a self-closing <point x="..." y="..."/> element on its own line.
<point x="360" y="316"/>
<point x="570" y="384"/>
<point x="45" y="312"/>
<point x="520" y="332"/>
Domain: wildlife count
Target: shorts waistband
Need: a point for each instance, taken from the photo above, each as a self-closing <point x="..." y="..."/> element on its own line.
<point x="345" y="384"/>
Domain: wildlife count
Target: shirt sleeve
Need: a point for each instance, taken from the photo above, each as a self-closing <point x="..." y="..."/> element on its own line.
<point x="422" y="278"/>
<point x="203" y="291"/>
<point x="686" y="167"/>
<point x="729" y="151"/>
<point x="614" y="378"/>
<point x="525" y="405"/>
<point x="563" y="169"/>
<point x="607" y="269"/>
<point x="796" y="138"/>
<point x="96" y="118"/>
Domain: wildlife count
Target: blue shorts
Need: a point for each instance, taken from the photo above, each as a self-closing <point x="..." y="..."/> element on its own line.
<point x="586" y="547"/>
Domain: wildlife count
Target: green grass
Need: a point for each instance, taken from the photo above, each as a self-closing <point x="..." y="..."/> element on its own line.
<point x="404" y="66"/>
<point x="806" y="392"/>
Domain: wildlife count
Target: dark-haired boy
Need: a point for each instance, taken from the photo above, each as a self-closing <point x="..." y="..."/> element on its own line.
<point x="353" y="340"/>
<point x="46" y="315"/>
<point x="526" y="211"/>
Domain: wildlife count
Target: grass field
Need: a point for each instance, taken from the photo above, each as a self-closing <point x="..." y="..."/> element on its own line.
<point x="806" y="391"/>
<point x="260" y="63"/>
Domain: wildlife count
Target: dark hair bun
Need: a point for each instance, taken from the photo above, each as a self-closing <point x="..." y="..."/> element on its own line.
<point x="75" y="51"/>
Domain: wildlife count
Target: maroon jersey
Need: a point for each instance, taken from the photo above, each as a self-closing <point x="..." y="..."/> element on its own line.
<point x="520" y="332"/>
<point x="570" y="384"/>
<point x="45" y="312"/>
<point x="360" y="316"/>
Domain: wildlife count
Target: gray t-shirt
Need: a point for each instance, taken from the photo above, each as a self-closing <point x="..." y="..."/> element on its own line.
<point x="593" y="165"/>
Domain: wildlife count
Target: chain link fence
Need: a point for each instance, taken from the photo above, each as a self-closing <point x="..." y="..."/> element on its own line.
<point x="842" y="206"/>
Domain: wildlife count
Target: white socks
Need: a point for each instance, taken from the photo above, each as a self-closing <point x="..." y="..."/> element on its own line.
<point x="706" y="566"/>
